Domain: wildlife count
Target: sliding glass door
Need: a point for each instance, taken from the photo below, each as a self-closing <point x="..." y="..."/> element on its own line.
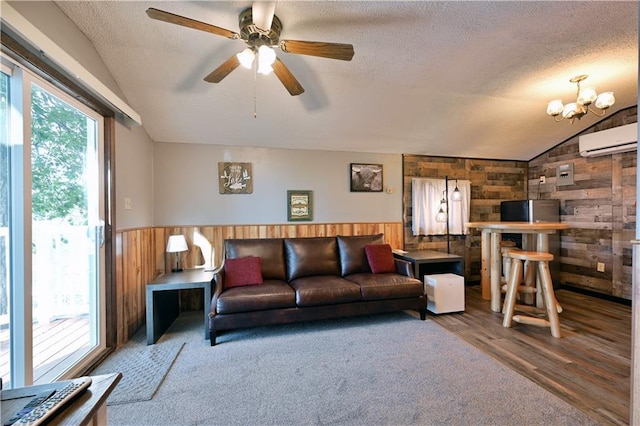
<point x="66" y="232"/>
<point x="56" y="292"/>
<point x="5" y="271"/>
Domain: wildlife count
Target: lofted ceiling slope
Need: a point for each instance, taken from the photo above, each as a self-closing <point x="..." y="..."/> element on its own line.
<point x="466" y="79"/>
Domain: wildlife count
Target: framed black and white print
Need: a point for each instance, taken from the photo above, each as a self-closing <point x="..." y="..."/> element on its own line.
<point x="366" y="177"/>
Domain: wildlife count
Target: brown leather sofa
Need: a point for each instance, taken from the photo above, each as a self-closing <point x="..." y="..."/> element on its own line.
<point x="308" y="279"/>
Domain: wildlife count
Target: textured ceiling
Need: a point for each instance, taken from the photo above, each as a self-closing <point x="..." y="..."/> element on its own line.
<point x="465" y="79"/>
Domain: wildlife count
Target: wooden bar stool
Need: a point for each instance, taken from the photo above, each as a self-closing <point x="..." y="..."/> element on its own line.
<point x="526" y="288"/>
<point x="505" y="246"/>
<point x="546" y="287"/>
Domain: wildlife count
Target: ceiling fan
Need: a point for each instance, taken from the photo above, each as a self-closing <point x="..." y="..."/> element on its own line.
<point x="260" y="30"/>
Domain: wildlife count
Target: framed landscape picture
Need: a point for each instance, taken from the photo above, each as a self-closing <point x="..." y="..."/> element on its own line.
<point x="366" y="177"/>
<point x="299" y="205"/>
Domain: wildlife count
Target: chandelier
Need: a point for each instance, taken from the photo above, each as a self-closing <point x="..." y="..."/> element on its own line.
<point x="586" y="96"/>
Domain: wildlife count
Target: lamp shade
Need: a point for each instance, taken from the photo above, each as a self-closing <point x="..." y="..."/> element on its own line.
<point x="587" y="95"/>
<point x="246" y="58"/>
<point x="605" y="100"/>
<point x="441" y="216"/>
<point x="176" y="243"/>
<point x="456" y="195"/>
<point x="555" y="107"/>
<point x="266" y="58"/>
<point x="570" y="110"/>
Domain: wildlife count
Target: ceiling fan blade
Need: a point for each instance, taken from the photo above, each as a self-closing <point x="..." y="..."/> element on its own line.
<point x="223" y="70"/>
<point x="341" y="51"/>
<point x="171" y="18"/>
<point x="262" y="12"/>
<point x="288" y="80"/>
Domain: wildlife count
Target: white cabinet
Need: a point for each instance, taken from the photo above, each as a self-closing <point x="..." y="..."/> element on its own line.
<point x="445" y="293"/>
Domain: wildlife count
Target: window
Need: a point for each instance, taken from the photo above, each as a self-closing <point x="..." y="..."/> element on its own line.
<point x="427" y="197"/>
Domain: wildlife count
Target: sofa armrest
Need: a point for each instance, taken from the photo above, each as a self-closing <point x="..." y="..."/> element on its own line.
<point x="404" y="267"/>
<point x="218" y="285"/>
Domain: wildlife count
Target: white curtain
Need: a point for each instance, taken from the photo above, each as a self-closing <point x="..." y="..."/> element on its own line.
<point x="426" y="199"/>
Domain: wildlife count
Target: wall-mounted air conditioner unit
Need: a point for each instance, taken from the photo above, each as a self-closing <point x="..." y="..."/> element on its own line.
<point x="610" y="141"/>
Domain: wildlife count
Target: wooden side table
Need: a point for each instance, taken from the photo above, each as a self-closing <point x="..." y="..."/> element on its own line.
<point x="163" y="301"/>
<point x="89" y="408"/>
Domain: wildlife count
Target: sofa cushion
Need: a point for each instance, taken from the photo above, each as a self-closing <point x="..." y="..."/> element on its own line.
<point x="380" y="258"/>
<point x="272" y="294"/>
<point x="270" y="250"/>
<point x="386" y="286"/>
<point x="324" y="290"/>
<point x="242" y="271"/>
<point x="352" y="256"/>
<point x="311" y="256"/>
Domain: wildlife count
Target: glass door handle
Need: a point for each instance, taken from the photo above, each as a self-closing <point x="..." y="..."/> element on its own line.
<point x="101" y="233"/>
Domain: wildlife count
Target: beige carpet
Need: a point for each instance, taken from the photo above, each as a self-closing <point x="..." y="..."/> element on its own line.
<point x="390" y="369"/>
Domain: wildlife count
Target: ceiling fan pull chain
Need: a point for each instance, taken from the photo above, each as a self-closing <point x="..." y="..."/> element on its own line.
<point x="255" y="90"/>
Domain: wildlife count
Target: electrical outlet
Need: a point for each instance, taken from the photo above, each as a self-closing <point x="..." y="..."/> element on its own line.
<point x="127" y="203"/>
<point x="543" y="179"/>
<point x="600" y="267"/>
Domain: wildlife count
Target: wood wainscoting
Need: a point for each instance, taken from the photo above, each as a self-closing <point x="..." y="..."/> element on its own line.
<point x="140" y="257"/>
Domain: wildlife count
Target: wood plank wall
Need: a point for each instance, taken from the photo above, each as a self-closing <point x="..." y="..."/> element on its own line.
<point x="492" y="181"/>
<point x="600" y="207"/>
<point x="140" y="257"/>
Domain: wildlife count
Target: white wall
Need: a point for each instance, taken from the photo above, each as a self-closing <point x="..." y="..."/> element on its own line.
<point x="186" y="186"/>
<point x="134" y="148"/>
<point x="134" y="177"/>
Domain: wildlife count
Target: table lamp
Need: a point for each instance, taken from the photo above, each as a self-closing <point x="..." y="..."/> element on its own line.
<point x="177" y="244"/>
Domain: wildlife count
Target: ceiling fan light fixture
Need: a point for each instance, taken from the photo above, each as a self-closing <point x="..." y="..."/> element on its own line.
<point x="585" y="97"/>
<point x="246" y="58"/>
<point x="266" y="58"/>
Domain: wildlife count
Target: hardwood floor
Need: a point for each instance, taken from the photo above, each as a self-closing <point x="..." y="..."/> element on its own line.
<point x="589" y="367"/>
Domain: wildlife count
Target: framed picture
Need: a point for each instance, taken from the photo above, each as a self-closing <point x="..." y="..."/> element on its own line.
<point x="235" y="178"/>
<point x="366" y="177"/>
<point x="299" y="205"/>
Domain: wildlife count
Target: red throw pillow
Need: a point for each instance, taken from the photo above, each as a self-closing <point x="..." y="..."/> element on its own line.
<point x="380" y="258"/>
<point x="242" y="271"/>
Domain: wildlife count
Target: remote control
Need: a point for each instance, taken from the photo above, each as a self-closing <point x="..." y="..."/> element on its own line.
<point x="59" y="399"/>
<point x="35" y="401"/>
